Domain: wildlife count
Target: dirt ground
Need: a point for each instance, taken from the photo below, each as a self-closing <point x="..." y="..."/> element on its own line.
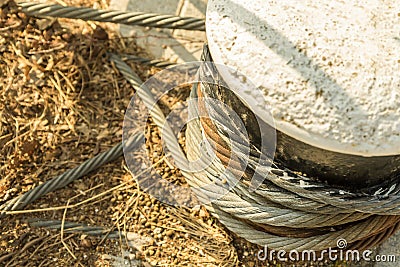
<point x="62" y="102"/>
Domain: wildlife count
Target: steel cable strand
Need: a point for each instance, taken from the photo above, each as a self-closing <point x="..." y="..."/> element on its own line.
<point x="314" y="219"/>
<point x="375" y="240"/>
<point x="127" y="18"/>
<point x="67" y="177"/>
<point x="69" y="226"/>
<point x="154" y="110"/>
<point x="276" y="216"/>
<point x="287" y="199"/>
<point x="390" y="205"/>
<point x="73" y="227"/>
<point x="150" y="62"/>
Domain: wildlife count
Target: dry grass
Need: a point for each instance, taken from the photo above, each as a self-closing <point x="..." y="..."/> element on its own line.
<point x="62" y="102"/>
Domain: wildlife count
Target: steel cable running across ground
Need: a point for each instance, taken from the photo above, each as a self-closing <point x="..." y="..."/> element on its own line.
<point x="127" y="18"/>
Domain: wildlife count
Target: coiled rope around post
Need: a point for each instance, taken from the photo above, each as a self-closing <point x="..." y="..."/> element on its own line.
<point x="274" y="214"/>
<point x="127" y="18"/>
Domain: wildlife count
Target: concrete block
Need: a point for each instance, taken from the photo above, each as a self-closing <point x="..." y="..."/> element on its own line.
<point x="174" y="45"/>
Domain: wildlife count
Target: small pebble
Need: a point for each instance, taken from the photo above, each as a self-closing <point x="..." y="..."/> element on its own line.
<point x="169" y="232"/>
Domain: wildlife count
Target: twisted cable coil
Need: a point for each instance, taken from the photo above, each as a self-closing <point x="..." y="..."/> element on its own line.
<point x="273" y="214"/>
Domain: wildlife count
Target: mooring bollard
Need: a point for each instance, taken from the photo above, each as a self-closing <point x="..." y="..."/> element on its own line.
<point x="328" y="74"/>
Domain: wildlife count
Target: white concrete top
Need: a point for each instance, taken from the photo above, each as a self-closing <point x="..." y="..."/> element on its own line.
<point x="328" y="70"/>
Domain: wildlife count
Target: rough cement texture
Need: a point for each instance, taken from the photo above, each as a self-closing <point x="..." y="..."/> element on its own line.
<point x="174" y="45"/>
<point x="390" y="247"/>
<point x="329" y="69"/>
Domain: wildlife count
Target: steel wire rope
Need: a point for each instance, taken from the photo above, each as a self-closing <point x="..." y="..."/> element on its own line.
<point x="127" y="18"/>
<point x="67" y="177"/>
